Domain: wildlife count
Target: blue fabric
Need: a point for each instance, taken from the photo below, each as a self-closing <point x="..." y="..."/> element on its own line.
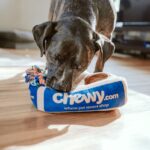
<point x="33" y="94"/>
<point x="99" y="98"/>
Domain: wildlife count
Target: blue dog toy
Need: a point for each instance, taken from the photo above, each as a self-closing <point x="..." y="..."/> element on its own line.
<point x="103" y="95"/>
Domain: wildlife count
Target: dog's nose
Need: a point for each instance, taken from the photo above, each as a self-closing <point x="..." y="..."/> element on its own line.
<point x="50" y="81"/>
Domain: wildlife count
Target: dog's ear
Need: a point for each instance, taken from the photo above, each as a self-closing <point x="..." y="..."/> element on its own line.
<point x="108" y="49"/>
<point x="104" y="45"/>
<point x="43" y="33"/>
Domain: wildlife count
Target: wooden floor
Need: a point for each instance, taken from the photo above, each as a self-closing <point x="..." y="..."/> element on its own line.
<point x="21" y="124"/>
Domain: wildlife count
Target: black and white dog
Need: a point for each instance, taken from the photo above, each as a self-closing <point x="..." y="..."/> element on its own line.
<point x="76" y="30"/>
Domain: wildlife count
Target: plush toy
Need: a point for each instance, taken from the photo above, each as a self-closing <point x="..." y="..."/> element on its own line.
<point x="98" y="92"/>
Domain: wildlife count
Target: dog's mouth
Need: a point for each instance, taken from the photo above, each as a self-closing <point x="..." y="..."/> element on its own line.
<point x="83" y="79"/>
<point x="50" y="82"/>
<point x="58" y="86"/>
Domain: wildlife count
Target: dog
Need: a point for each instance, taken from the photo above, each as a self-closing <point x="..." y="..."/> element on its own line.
<point x="75" y="32"/>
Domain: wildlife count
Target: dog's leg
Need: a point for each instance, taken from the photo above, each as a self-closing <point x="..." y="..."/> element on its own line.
<point x="104" y="54"/>
<point x="56" y="9"/>
<point x="99" y="64"/>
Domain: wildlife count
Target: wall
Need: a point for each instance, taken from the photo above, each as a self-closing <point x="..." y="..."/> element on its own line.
<point x="8" y="12"/>
<point x="22" y="14"/>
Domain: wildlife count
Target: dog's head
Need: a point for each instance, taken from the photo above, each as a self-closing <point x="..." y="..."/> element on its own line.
<point x="69" y="46"/>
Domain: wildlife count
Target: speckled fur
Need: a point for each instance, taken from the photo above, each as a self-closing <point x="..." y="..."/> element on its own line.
<point x="101" y="13"/>
<point x="76" y="30"/>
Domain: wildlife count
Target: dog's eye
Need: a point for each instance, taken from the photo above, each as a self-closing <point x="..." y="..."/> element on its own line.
<point x="77" y="67"/>
<point x="45" y="44"/>
<point x="59" y="58"/>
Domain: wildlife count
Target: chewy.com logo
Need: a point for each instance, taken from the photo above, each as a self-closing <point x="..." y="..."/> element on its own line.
<point x="95" y="97"/>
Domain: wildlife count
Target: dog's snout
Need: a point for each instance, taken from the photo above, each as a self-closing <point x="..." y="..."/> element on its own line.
<point x="58" y="85"/>
<point x="62" y="86"/>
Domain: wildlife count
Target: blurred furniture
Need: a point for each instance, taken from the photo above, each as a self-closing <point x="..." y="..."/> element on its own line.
<point x="15" y="38"/>
<point x="137" y="45"/>
<point x="132" y="34"/>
